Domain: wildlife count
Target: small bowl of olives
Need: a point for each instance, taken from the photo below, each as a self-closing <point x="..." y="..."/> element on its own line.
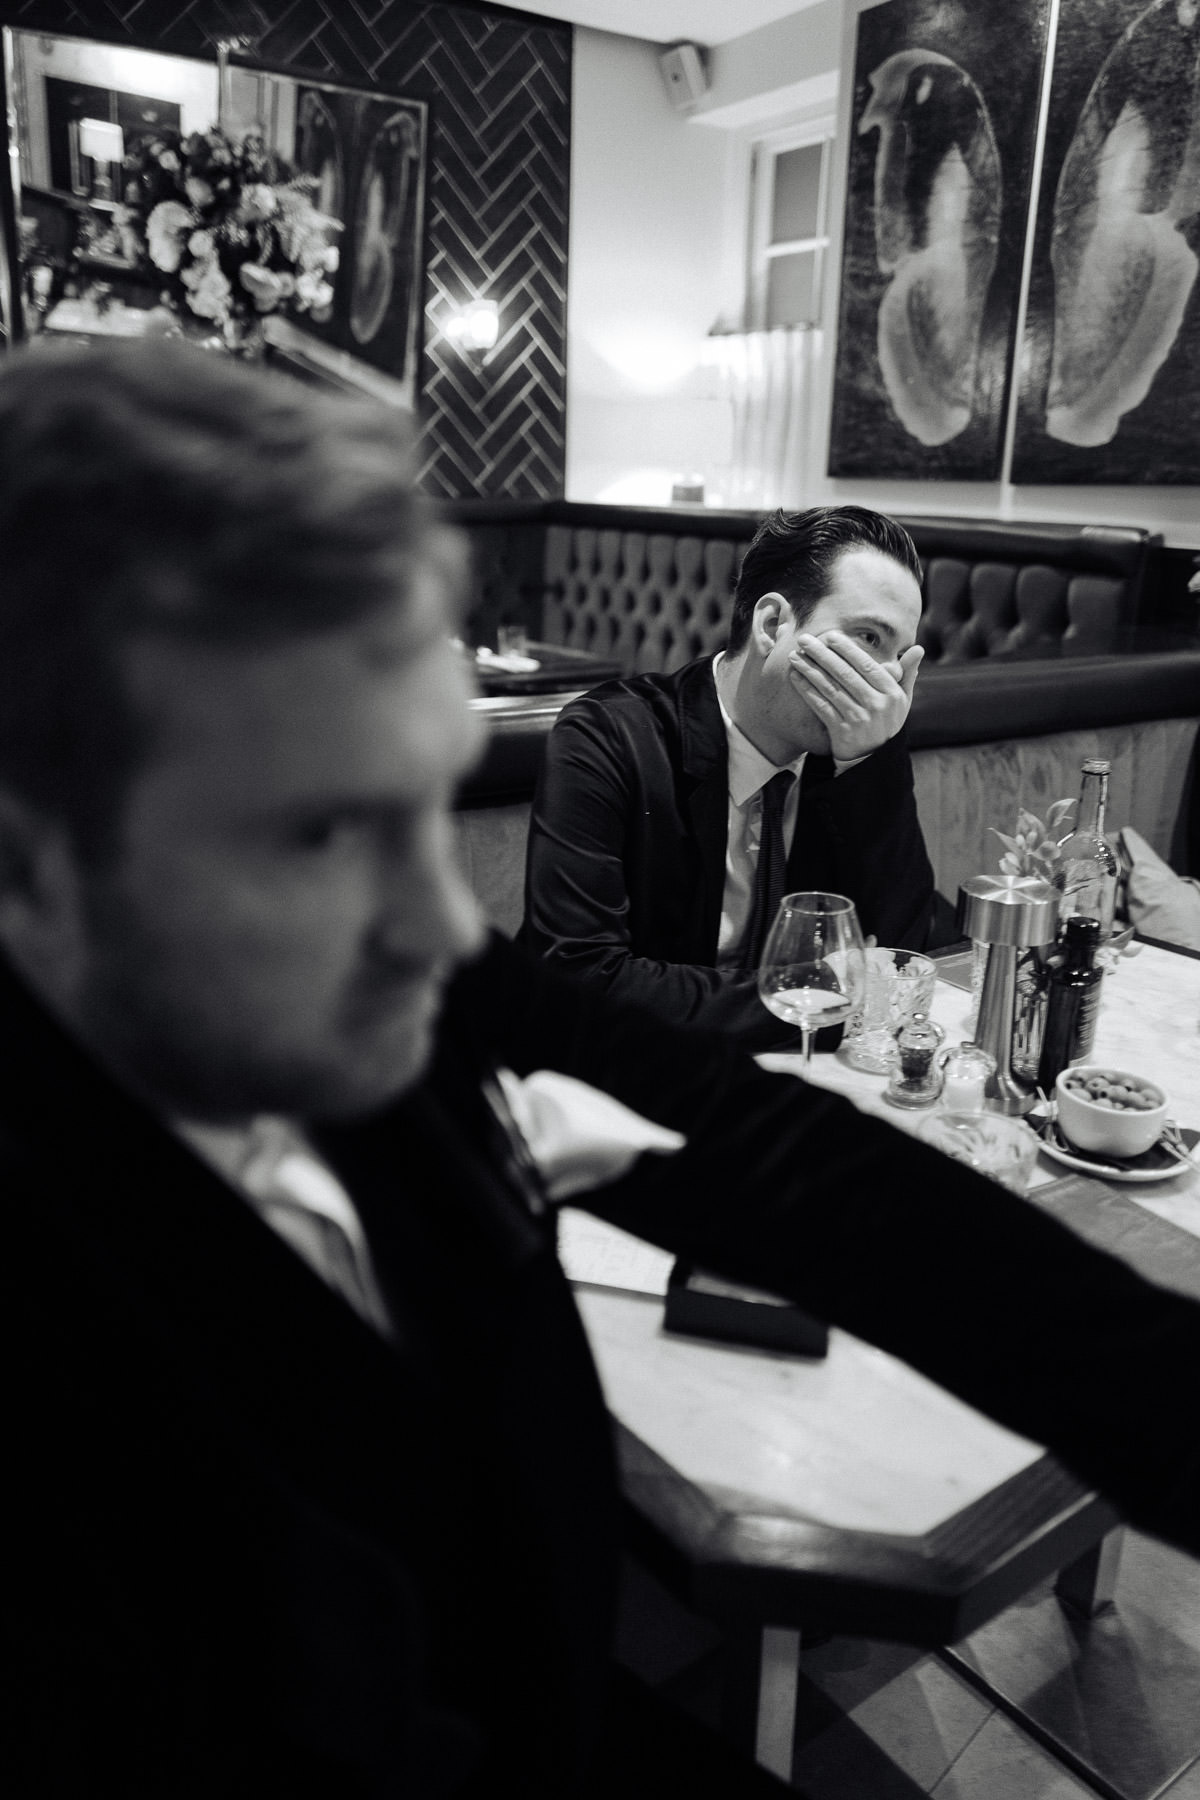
<point x="1110" y="1112"/>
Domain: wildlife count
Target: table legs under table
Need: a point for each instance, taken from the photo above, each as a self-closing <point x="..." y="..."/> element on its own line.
<point x="762" y="1663"/>
<point x="762" y="1670"/>
<point x="1089" y="1583"/>
<point x="1104" y="1683"/>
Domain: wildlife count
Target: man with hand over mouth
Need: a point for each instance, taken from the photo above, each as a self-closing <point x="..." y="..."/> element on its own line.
<point x="316" y="1493"/>
<point x="646" y="870"/>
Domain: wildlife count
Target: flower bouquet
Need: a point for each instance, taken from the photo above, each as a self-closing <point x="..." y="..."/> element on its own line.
<point x="227" y="230"/>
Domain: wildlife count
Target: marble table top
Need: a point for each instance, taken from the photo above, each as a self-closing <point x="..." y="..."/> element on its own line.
<point x="1149" y="1022"/>
<point x="748" y="1459"/>
<point x="856" y="1440"/>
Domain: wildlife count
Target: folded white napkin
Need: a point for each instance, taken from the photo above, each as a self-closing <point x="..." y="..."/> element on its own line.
<point x="579" y="1137"/>
<point x="1160" y="903"/>
<point x="510" y="661"/>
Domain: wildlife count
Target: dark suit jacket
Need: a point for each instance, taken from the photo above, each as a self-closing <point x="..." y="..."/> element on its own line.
<point x="260" y="1551"/>
<point x="626" y="858"/>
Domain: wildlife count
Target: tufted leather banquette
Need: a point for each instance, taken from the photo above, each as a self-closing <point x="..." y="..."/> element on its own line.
<point x="1031" y="636"/>
<point x="653" y="589"/>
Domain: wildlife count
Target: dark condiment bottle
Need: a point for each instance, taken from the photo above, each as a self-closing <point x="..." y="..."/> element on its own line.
<point x="1073" y="1003"/>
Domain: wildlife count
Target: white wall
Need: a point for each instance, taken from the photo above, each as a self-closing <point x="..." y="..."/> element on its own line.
<point x="658" y="234"/>
<point x="653" y="267"/>
<point x="193" y="85"/>
<point x="789" y="65"/>
<point x="1175" y="511"/>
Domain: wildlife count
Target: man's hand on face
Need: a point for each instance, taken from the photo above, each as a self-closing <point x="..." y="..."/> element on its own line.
<point x="861" y="703"/>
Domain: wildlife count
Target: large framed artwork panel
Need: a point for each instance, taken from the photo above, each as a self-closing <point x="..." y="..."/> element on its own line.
<point x="368" y="154"/>
<point x="943" y="126"/>
<point x="1110" y="388"/>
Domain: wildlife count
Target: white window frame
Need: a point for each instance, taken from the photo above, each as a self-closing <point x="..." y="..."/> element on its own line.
<point x="764" y="153"/>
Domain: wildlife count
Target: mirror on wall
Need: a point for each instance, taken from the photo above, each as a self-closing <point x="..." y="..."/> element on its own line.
<point x="153" y="193"/>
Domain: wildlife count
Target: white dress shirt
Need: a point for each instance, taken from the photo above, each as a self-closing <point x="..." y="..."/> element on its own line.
<point x="294" y="1191"/>
<point x="579" y="1138"/>
<point x="749" y="773"/>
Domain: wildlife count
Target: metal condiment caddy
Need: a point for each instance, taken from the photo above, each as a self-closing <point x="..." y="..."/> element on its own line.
<point x="1008" y="913"/>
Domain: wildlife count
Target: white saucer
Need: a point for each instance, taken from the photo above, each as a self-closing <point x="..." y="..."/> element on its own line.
<point x="1157" y="1164"/>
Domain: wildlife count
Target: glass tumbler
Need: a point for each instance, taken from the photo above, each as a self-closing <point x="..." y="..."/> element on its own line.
<point x="993" y="1143"/>
<point x="899" y="985"/>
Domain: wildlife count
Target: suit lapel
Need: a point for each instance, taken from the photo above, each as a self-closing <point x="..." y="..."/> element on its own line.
<point x="705" y="758"/>
<point x="448" y="1232"/>
<point x="355" y="1489"/>
<point x="273" y="1358"/>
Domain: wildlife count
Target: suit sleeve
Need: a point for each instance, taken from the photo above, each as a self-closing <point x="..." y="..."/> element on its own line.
<point x="867" y="816"/>
<point x="788" y="1187"/>
<point x="577" y="899"/>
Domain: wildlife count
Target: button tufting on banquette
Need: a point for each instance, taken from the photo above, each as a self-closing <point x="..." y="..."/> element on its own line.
<point x="653" y="589"/>
<point x="653" y="599"/>
<point x="1035" y="644"/>
<point x="1002" y="609"/>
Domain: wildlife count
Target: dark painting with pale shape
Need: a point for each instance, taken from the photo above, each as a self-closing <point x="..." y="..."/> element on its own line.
<point x="941" y="154"/>
<point x="1110" y="388"/>
<point x="367" y="155"/>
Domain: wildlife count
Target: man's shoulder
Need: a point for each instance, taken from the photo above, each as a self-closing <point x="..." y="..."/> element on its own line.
<point x="650" y="701"/>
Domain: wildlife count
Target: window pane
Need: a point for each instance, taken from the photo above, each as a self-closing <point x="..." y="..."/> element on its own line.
<point x="792" y="297"/>
<point x="795" y="203"/>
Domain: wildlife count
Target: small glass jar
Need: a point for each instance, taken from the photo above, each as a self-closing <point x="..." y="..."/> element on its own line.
<point x="965" y="1071"/>
<point x="916" y="1079"/>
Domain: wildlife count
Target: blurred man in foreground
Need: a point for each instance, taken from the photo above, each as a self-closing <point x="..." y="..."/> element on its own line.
<point x="316" y="1490"/>
<point x="674" y="811"/>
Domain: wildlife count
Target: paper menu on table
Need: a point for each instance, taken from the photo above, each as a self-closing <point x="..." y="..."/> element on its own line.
<point x="601" y="1255"/>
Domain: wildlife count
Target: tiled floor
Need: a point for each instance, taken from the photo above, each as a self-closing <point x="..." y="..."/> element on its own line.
<point x="886" y="1722"/>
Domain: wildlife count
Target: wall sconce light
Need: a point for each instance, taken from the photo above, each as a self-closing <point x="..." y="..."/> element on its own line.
<point x="474" y="328"/>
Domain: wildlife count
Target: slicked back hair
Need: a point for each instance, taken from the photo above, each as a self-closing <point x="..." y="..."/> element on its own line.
<point x="159" y="489"/>
<point x="793" y="554"/>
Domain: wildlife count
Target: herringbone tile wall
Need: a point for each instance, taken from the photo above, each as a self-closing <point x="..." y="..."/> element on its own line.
<point x="499" y="90"/>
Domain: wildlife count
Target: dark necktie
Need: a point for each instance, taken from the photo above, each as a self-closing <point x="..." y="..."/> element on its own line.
<point x="770" y="876"/>
<point x="512" y="1152"/>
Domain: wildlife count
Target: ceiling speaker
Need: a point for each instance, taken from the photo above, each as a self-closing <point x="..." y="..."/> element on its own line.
<point x="684" y="74"/>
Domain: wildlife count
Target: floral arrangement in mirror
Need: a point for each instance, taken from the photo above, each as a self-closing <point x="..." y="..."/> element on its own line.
<point x="227" y="230"/>
<point x="1033" y="847"/>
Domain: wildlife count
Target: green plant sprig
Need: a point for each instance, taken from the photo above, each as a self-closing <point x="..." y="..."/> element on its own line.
<point x="1033" y="847"/>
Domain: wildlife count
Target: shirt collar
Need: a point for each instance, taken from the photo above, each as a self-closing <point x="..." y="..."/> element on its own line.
<point x="225" y="1148"/>
<point x="749" y="769"/>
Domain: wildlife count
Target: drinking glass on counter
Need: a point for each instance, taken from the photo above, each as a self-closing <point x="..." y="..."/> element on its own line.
<point x="813" y="965"/>
<point x="993" y="1143"/>
<point x="899" y="984"/>
<point x="512" y="640"/>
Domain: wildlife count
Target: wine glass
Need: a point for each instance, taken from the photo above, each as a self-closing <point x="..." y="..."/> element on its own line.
<point x="813" y="969"/>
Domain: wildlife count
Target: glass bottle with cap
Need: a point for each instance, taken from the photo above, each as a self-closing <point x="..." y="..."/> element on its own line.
<point x="1086" y="872"/>
<point x="916" y="1080"/>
